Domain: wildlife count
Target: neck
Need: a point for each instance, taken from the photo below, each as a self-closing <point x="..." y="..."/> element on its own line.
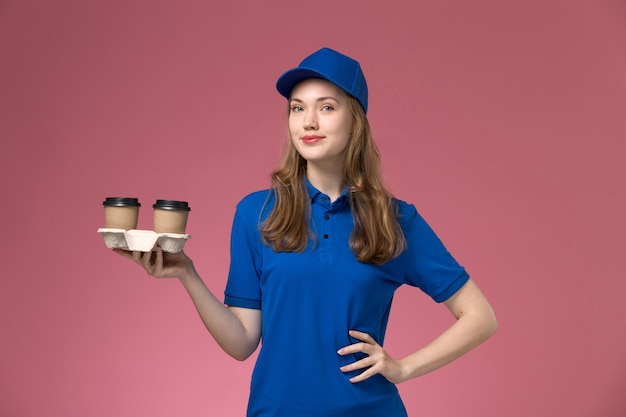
<point x="328" y="182"/>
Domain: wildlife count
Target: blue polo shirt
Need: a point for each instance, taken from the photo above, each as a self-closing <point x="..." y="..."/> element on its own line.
<point x="311" y="299"/>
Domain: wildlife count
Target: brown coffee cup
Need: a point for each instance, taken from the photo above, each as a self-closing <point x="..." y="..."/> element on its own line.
<point x="121" y="212"/>
<point x="170" y="216"/>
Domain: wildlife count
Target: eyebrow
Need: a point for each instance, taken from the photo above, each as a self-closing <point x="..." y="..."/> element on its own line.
<point x="317" y="99"/>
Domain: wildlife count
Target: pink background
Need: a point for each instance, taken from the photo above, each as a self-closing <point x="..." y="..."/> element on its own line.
<point x="504" y="122"/>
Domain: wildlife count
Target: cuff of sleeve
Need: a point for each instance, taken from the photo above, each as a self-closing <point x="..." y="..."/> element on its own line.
<point x="452" y="288"/>
<point x="242" y="302"/>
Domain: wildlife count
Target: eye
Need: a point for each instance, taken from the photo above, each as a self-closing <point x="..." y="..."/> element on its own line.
<point x="328" y="108"/>
<point x="295" y="108"/>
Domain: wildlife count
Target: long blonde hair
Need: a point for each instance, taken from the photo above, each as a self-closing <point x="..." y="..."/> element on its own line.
<point x="376" y="236"/>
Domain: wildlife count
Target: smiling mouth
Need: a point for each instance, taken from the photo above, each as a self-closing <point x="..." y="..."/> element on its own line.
<point x="311" y="139"/>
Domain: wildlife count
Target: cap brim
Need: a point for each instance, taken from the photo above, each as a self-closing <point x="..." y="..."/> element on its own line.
<point x="289" y="79"/>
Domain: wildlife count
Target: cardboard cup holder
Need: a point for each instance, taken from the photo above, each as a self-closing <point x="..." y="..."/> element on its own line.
<point x="143" y="240"/>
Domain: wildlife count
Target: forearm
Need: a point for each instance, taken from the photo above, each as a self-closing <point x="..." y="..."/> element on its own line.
<point x="466" y="333"/>
<point x="225" y="327"/>
<point x="237" y="331"/>
<point x="475" y="323"/>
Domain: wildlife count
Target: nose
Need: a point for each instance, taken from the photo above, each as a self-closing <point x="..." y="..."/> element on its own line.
<point x="310" y="121"/>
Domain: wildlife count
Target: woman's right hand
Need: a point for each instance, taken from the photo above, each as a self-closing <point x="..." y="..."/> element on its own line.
<point x="161" y="264"/>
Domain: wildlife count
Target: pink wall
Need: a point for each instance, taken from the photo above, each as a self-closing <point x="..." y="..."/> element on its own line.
<point x="502" y="121"/>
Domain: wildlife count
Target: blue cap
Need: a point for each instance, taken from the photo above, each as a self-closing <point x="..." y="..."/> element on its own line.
<point x="329" y="65"/>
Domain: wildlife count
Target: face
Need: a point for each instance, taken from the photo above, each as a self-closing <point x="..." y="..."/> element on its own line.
<point x="320" y="122"/>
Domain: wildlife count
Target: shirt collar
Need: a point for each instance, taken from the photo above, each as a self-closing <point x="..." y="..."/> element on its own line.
<point x="317" y="195"/>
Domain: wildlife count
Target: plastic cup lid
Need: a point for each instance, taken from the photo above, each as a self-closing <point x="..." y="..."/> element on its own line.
<point x="171" y="205"/>
<point x="121" y="201"/>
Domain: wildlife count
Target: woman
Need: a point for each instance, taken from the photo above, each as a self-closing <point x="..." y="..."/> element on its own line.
<point x="316" y="259"/>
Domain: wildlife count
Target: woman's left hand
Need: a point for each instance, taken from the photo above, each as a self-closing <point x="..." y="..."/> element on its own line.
<point x="377" y="362"/>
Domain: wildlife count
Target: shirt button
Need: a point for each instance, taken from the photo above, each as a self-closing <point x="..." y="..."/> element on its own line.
<point x="324" y="199"/>
<point x="326" y="217"/>
<point x="325" y="236"/>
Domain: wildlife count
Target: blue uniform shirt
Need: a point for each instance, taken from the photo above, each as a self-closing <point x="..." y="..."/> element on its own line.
<point x="311" y="299"/>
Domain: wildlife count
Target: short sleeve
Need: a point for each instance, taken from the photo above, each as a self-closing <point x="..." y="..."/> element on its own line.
<point x="426" y="263"/>
<point x="243" y="287"/>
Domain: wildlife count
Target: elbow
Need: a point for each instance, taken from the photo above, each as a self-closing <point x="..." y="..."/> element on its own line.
<point x="490" y="324"/>
<point x="242" y="353"/>
<point x="240" y="356"/>
<point x="485" y="323"/>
